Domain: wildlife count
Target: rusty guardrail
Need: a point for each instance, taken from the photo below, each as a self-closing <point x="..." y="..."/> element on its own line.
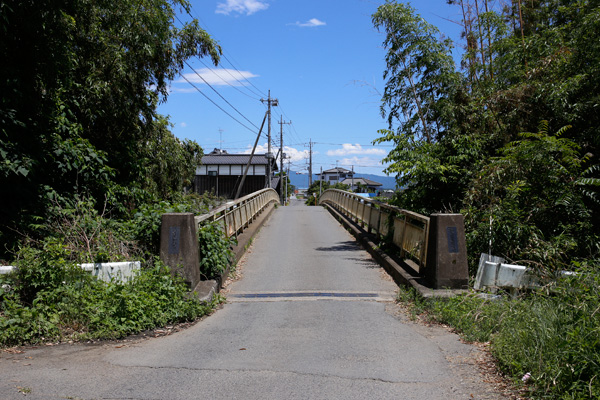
<point x="409" y="231"/>
<point x="236" y="215"/>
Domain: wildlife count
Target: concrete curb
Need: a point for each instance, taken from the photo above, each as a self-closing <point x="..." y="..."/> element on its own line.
<point x="207" y="289"/>
<point x="399" y="271"/>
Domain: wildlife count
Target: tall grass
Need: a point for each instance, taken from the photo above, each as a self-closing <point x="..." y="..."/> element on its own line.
<point x="553" y="334"/>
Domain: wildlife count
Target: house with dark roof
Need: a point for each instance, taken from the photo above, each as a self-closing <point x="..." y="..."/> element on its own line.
<point x="221" y="173"/>
<point x="335" y="175"/>
<point x="362" y="185"/>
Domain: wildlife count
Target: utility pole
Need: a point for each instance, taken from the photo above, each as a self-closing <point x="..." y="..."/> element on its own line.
<point x="281" y="159"/>
<point x="239" y="189"/>
<point x="321" y="182"/>
<point x="310" y="162"/>
<point x="352" y="186"/>
<point x="270" y="102"/>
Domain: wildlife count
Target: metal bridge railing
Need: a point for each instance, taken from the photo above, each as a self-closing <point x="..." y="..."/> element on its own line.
<point x="236" y="215"/>
<point x="409" y="231"/>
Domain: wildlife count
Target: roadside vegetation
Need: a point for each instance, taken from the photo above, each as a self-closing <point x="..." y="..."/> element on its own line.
<point x="88" y="166"/>
<point x="546" y="340"/>
<point x="510" y="138"/>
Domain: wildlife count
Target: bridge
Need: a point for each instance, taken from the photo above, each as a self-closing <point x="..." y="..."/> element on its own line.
<point x="311" y="315"/>
<point x="426" y="252"/>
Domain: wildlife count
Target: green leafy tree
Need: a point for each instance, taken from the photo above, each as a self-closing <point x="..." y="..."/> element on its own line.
<point x="534" y="202"/>
<point x="420" y="73"/>
<point x="80" y="85"/>
<point x="422" y="96"/>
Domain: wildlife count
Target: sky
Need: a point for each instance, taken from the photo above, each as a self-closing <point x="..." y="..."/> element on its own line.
<point x="321" y="59"/>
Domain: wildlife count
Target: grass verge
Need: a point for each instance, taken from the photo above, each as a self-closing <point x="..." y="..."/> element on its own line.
<point x="549" y="338"/>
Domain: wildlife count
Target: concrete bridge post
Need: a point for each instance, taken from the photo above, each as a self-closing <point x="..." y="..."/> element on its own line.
<point x="447" y="265"/>
<point x="179" y="246"/>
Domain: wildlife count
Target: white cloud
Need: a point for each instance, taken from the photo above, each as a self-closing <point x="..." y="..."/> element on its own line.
<point x="348" y="149"/>
<point x="216" y="77"/>
<point x="182" y="90"/>
<point x="294" y="154"/>
<point x="311" y="23"/>
<point x="361" y="162"/>
<point x="247" y="7"/>
<point x="183" y="125"/>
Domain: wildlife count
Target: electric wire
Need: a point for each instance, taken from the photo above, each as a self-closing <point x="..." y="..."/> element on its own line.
<point x="261" y="93"/>
<point x="218" y="106"/>
<point x="291" y="131"/>
<point x="226" y="81"/>
<point x="219" y="94"/>
<point x="224" y="56"/>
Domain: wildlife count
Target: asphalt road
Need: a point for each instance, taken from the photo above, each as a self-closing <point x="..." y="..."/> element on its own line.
<point x="312" y="317"/>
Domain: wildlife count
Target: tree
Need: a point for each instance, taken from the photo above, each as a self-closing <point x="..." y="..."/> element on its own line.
<point x="420" y="72"/>
<point x="533" y="202"/>
<point x="420" y="101"/>
<point x="80" y="85"/>
<point x="525" y="62"/>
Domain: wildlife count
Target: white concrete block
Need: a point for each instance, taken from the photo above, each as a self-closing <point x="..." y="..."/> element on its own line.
<point x="510" y="275"/>
<point x="113" y="271"/>
<point x="7" y="269"/>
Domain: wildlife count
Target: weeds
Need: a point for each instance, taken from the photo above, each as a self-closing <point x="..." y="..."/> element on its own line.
<point x="214" y="250"/>
<point x="552" y="334"/>
<point x="50" y="298"/>
<point x="85" y="308"/>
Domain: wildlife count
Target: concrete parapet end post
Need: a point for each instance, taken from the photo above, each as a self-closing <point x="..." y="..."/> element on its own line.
<point x="179" y="246"/>
<point x="447" y="265"/>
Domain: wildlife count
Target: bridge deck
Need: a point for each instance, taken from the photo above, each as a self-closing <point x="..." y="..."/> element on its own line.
<point x="312" y="317"/>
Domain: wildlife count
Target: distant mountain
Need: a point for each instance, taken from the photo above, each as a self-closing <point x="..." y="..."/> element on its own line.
<point x="301" y="180"/>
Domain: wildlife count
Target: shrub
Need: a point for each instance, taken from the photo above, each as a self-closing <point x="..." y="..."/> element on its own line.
<point x="88" y="308"/>
<point x="556" y="338"/>
<point x="553" y="334"/>
<point x="214" y="251"/>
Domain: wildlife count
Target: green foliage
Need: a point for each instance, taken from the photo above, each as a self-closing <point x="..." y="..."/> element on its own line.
<point x="420" y="73"/>
<point x="78" y="110"/>
<point x="44" y="268"/>
<point x="83" y="308"/>
<point x="551" y="333"/>
<point x="146" y="221"/>
<point x="215" y="251"/>
<point x="51" y="298"/>
<point x="458" y="141"/>
<point x="533" y="195"/>
<point x="557" y="339"/>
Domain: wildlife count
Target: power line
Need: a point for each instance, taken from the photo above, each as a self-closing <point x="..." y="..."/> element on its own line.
<point x="226" y="81"/>
<point x="218" y="106"/>
<point x="261" y="93"/>
<point x="219" y="94"/>
<point x="197" y="17"/>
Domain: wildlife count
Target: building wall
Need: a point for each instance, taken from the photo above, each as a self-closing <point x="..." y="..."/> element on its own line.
<point x="334" y="178"/>
<point x="225" y="185"/>
<point x="231" y="169"/>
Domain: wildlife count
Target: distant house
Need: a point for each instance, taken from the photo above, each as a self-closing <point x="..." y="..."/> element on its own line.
<point x="335" y="175"/>
<point x="221" y="173"/>
<point x="362" y="184"/>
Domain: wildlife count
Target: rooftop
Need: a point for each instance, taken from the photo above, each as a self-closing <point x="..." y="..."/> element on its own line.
<point x="221" y="157"/>
<point x="362" y="181"/>
<point x="337" y="170"/>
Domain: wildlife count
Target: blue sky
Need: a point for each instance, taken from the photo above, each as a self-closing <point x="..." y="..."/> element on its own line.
<point x="321" y="59"/>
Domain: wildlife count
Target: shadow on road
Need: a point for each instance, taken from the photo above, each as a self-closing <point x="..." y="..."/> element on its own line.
<point x="342" y="246"/>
